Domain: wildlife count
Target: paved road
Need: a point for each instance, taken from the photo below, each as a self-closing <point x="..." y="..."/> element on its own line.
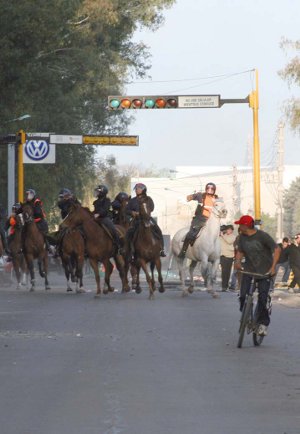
<point x="73" y="364"/>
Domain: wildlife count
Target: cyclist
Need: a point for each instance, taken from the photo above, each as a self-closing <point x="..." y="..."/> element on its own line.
<point x="261" y="255"/>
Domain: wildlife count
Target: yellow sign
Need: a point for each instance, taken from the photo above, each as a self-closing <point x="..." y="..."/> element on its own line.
<point x="111" y="140"/>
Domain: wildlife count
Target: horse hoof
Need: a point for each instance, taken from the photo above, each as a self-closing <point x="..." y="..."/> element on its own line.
<point x="191" y="289"/>
<point x="161" y="289"/>
<point x="48" y="287"/>
<point x="215" y="295"/>
<point x="69" y="289"/>
<point x="111" y="289"/>
<point x="97" y="295"/>
<point x="80" y="291"/>
<point x="138" y="290"/>
<point x="105" y="291"/>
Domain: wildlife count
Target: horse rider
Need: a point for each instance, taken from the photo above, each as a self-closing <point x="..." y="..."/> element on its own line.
<point x="101" y="211"/>
<point x="39" y="215"/>
<point x="65" y="200"/>
<point x="11" y="222"/>
<point x="205" y="204"/>
<point x="133" y="210"/>
<point x="3" y="216"/>
<point x="116" y="205"/>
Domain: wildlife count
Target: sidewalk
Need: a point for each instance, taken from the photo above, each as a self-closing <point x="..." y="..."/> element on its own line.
<point x="285" y="298"/>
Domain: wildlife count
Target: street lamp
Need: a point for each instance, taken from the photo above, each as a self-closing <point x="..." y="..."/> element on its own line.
<point x="20" y="118"/>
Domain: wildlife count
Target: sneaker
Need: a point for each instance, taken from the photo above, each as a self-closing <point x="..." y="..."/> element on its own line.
<point x="262" y="330"/>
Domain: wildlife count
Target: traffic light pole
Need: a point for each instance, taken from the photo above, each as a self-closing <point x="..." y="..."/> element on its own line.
<point x="22" y="140"/>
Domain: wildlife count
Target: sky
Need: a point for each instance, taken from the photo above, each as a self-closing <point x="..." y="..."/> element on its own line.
<point x="199" y="41"/>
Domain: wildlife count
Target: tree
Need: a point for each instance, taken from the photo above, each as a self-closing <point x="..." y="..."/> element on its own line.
<point x="59" y="61"/>
<point x="291" y="217"/>
<point x="291" y="73"/>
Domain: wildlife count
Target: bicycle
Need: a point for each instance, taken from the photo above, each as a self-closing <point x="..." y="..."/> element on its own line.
<point x="248" y="317"/>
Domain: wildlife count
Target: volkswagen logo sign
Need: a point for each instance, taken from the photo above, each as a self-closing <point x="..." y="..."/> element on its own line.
<point x="37" y="149"/>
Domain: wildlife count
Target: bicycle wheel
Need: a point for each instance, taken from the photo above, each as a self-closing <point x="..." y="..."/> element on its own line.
<point x="244" y="319"/>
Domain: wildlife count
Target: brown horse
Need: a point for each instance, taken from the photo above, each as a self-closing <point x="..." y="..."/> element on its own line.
<point x="147" y="249"/>
<point x="72" y="257"/>
<point x="99" y="246"/>
<point x="33" y="243"/>
<point x="15" y="248"/>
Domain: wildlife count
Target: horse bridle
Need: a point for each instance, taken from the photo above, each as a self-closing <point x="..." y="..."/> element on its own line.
<point x="216" y="212"/>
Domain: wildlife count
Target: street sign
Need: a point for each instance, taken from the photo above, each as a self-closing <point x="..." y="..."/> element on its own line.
<point x="199" y="101"/>
<point x="111" y="140"/>
<point x="36" y="136"/>
<point x="38" y="152"/>
<point x="65" y="139"/>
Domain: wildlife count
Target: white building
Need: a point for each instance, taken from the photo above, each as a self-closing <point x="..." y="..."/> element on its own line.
<point x="234" y="185"/>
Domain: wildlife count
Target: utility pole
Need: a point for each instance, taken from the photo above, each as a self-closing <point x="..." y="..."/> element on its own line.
<point x="280" y="189"/>
<point x="235" y="195"/>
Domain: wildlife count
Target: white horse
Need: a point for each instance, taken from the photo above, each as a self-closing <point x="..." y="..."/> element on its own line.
<point x="206" y="250"/>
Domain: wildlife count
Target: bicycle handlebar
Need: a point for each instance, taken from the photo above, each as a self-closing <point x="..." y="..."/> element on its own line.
<point x="250" y="273"/>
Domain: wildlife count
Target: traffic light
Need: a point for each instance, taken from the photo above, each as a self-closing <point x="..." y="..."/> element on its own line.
<point x="142" y="102"/>
<point x="20" y="137"/>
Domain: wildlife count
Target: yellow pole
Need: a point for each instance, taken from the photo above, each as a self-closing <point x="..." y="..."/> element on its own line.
<point x="22" y="139"/>
<point x="254" y="104"/>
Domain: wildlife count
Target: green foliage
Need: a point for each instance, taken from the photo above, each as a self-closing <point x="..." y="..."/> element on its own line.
<point x="291" y="217"/>
<point x="269" y="224"/>
<point x="291" y="74"/>
<point x="59" y="62"/>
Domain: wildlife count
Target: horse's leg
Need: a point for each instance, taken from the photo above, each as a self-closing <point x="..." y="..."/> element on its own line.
<point x="160" y="279"/>
<point x="148" y="278"/>
<point x="16" y="266"/>
<point x="65" y="264"/>
<point x="206" y="273"/>
<point x="45" y="268"/>
<point x="134" y="276"/>
<point x="152" y="266"/>
<point x="108" y="270"/>
<point x="138" y="288"/>
<point x="79" y="267"/>
<point x="180" y="264"/>
<point x="94" y="265"/>
<point x="212" y="276"/>
<point x="120" y="264"/>
<point x="191" y="271"/>
<point x="29" y="261"/>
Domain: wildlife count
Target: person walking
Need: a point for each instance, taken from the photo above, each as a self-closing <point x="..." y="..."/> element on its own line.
<point x="227" y="239"/>
<point x="294" y="260"/>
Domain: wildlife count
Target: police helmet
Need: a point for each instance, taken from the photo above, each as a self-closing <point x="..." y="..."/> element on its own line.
<point x="30" y="194"/>
<point x="64" y="194"/>
<point x="16" y="207"/>
<point x="122" y="196"/>
<point x="212" y="185"/>
<point x="140" y="186"/>
<point x="101" y="190"/>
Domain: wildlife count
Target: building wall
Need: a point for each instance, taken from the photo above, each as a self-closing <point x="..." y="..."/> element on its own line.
<point x="234" y="185"/>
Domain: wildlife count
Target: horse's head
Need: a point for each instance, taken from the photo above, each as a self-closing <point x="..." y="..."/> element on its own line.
<point x="144" y="211"/>
<point x="27" y="213"/>
<point x="219" y="209"/>
<point x="76" y="216"/>
<point x="19" y="220"/>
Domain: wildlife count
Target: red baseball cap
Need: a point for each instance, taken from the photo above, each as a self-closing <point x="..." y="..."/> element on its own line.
<point x="246" y="220"/>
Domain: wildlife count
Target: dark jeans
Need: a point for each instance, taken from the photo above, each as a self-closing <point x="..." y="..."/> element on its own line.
<point x="296" y="279"/>
<point x="287" y="270"/>
<point x="226" y="264"/>
<point x="197" y="223"/>
<point x="263" y="291"/>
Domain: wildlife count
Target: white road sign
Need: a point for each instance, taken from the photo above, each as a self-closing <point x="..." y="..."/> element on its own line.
<point x="38" y="152"/>
<point x="199" y="101"/>
<point x="65" y="139"/>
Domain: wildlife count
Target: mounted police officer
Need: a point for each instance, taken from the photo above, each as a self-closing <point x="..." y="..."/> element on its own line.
<point x="116" y="205"/>
<point x="133" y="210"/>
<point x="101" y="212"/>
<point x="205" y="204"/>
<point x="39" y="215"/>
<point x="65" y="200"/>
<point x="3" y="216"/>
<point x="11" y="222"/>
